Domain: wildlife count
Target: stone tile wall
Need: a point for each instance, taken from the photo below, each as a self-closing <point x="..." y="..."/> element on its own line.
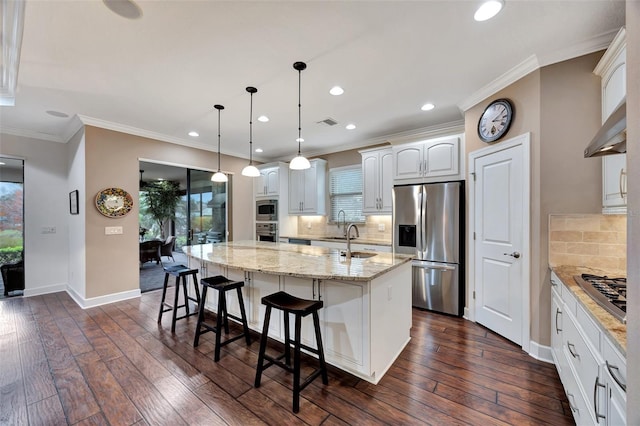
<point x="371" y="230"/>
<point x="591" y="240"/>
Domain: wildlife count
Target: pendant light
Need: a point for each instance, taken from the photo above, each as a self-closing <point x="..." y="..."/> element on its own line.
<point x="299" y="162"/>
<point x="219" y="176"/>
<point x="251" y="170"/>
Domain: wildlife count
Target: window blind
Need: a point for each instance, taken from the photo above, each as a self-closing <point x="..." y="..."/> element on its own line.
<point x="345" y="193"/>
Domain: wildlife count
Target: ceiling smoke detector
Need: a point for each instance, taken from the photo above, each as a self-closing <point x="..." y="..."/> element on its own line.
<point x="328" y="121"/>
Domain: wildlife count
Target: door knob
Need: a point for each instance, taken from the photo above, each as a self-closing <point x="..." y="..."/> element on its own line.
<point x="514" y="254"/>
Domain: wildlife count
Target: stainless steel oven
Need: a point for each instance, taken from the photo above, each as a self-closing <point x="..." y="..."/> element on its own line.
<point x="266" y="210"/>
<point x="267" y="232"/>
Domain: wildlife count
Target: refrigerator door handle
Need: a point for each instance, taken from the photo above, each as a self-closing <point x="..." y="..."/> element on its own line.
<point x="429" y="265"/>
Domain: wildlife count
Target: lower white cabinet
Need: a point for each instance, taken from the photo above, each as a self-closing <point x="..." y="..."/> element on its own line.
<point x="592" y="370"/>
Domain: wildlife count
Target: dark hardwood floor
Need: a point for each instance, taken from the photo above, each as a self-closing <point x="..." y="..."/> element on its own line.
<point x="114" y="365"/>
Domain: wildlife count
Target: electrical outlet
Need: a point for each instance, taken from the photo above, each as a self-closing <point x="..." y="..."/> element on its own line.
<point x="48" y="230"/>
<point x="381" y="227"/>
<point x="113" y="230"/>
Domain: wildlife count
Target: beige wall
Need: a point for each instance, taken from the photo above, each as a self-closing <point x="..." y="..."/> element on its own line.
<point x="112" y="161"/>
<point x="560" y="106"/>
<point x="633" y="210"/>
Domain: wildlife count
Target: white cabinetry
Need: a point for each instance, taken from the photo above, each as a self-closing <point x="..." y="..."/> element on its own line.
<point x="377" y="181"/>
<point x="587" y="362"/>
<point x="268" y="183"/>
<point x="612" y="70"/>
<point x="436" y="158"/>
<point x="307" y="189"/>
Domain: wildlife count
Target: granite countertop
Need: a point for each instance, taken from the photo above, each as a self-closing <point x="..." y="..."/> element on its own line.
<point x="295" y="260"/>
<point x="357" y="240"/>
<point x="616" y="330"/>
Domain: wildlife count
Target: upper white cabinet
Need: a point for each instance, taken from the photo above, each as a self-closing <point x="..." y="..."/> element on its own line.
<point x="436" y="158"/>
<point x="377" y="181"/>
<point x="307" y="189"/>
<point x="612" y="70"/>
<point x="268" y="184"/>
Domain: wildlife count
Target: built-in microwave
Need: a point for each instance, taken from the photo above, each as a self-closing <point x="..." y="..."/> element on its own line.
<point x="267" y="210"/>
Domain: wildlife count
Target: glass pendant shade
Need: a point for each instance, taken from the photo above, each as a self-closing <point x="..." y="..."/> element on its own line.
<point x="219" y="176"/>
<point x="251" y="171"/>
<point x="299" y="162"/>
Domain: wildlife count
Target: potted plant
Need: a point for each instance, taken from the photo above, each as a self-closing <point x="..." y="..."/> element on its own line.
<point x="159" y="200"/>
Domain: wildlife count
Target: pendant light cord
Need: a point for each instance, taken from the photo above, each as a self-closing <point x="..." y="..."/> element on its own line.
<point x="251" y="130"/>
<point x="299" y="110"/>
<point x="218" y="139"/>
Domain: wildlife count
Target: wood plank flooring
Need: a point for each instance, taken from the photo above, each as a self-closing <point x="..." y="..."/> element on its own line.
<point x="113" y="365"/>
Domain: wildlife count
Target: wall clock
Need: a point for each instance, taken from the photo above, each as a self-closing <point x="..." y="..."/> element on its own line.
<point x="114" y="202"/>
<point x="495" y="121"/>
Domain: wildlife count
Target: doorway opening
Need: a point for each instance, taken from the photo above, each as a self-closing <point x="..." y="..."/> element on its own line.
<point x="11" y="227"/>
<point x="200" y="215"/>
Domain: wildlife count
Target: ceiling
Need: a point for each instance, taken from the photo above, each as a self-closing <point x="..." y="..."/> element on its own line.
<point x="159" y="75"/>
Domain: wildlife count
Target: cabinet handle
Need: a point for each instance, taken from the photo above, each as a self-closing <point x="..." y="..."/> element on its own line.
<point x="419" y="167"/>
<point x="595" y="400"/>
<point x="558" y="311"/>
<point x="319" y="295"/>
<point x="615" y="378"/>
<point x="572" y="406"/>
<point x="553" y="283"/>
<point x="573" y="354"/>
<point x="424" y="168"/>
<point x="623" y="178"/>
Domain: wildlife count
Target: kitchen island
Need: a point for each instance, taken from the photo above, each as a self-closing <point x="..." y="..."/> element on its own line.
<point x="366" y="317"/>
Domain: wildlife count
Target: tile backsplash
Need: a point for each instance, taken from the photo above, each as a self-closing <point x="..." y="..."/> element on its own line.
<point x="591" y="240"/>
<point x="375" y="228"/>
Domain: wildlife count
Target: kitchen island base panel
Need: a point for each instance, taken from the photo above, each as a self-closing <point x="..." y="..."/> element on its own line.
<point x="365" y="324"/>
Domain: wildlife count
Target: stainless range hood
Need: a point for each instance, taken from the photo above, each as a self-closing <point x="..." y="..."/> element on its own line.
<point x="612" y="137"/>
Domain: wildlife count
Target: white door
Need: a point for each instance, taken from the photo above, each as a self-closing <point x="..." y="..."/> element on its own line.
<point x="501" y="280"/>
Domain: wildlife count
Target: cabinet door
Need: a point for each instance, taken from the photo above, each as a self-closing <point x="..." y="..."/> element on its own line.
<point x="614" y="181"/>
<point x="260" y="184"/>
<point x="261" y="285"/>
<point x="310" y="193"/>
<point x="556" y="335"/>
<point x="296" y="191"/>
<point x="442" y="157"/>
<point x="303" y="288"/>
<point x="370" y="186"/>
<point x="343" y="321"/>
<point x="614" y="86"/>
<point x="386" y="181"/>
<point x="408" y="161"/>
<point x="616" y="405"/>
<point x="272" y="181"/>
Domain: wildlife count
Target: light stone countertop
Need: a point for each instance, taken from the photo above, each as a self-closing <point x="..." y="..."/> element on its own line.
<point x="295" y="260"/>
<point x="357" y="240"/>
<point x="615" y="329"/>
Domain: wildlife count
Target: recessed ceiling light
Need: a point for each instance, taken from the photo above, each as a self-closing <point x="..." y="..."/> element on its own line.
<point x="263" y="118"/>
<point x="194" y="134"/>
<point x="258" y="149"/>
<point x="488" y="10"/>
<point x="336" y="91"/>
<point x="57" y="114"/>
<point x="350" y="126"/>
<point x="427" y="107"/>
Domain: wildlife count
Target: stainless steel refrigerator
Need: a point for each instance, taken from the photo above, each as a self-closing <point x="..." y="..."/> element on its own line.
<point x="428" y="223"/>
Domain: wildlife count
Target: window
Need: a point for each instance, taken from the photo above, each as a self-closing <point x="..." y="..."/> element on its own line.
<point x="345" y="193"/>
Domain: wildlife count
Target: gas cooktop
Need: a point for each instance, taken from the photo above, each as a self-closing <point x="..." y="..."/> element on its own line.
<point x="610" y="293"/>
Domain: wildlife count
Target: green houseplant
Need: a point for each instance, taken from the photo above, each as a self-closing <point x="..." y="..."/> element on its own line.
<point x="159" y="201"/>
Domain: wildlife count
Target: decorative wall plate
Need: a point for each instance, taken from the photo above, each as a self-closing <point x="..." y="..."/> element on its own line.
<point x="114" y="202"/>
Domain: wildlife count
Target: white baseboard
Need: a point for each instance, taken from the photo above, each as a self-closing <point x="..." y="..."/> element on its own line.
<point x="541" y="353"/>
<point x="91" y="302"/>
<point x="29" y="292"/>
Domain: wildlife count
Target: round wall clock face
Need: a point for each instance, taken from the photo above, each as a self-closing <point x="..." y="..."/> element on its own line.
<point x="495" y="120"/>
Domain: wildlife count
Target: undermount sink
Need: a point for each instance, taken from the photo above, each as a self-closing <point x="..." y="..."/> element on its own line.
<point x="337" y="238"/>
<point x="358" y="254"/>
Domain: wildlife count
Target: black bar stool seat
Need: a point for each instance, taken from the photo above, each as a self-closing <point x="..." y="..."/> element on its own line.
<point x="222" y="285"/>
<point x="299" y="308"/>
<point x="181" y="273"/>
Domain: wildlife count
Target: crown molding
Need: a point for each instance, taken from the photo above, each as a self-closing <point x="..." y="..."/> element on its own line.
<point x="31" y="134"/>
<point x="436" y="131"/>
<point x="613" y="50"/>
<point x="533" y="62"/>
<point x="511" y="76"/>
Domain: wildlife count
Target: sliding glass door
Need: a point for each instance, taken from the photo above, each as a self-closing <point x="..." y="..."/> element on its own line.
<point x="11" y="226"/>
<point x="206" y="208"/>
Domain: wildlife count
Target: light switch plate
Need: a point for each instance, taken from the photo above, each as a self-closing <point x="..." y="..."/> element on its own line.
<point x="113" y="230"/>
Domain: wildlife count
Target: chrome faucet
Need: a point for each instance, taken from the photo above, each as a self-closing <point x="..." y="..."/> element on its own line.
<point x="352" y="225"/>
<point x="344" y="222"/>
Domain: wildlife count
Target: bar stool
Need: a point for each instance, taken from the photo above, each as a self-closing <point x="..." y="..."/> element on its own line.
<point x="222" y="285"/>
<point x="180" y="272"/>
<point x="300" y="308"/>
